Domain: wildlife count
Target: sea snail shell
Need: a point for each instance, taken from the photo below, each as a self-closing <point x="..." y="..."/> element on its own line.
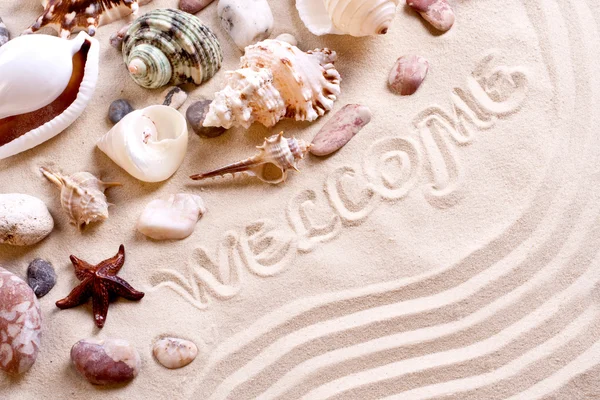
<point x="149" y="144"/>
<point x="347" y="17"/>
<point x="167" y="46"/>
<point x="45" y="84"/>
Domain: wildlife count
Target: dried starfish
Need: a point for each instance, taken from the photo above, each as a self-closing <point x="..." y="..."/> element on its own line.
<point x="99" y="282"/>
<point x="73" y="15"/>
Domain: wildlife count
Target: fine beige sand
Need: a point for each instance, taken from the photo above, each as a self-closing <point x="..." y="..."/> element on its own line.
<point x="449" y="251"/>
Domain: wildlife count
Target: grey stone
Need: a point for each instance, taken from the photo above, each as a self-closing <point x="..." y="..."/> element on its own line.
<point x="119" y="109"/>
<point x="196" y="113"/>
<point x="41" y="277"/>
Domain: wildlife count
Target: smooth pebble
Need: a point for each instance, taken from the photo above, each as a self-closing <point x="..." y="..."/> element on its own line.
<point x="437" y="12"/>
<point x="4" y="34"/>
<point x="41" y="277"/>
<point x="174" y="97"/>
<point x="119" y="109"/>
<point x="171" y="217"/>
<point x="340" y="129"/>
<point x="246" y="21"/>
<point x="106" y="362"/>
<point x="24" y="220"/>
<point x="286" y="37"/>
<point x="193" y="6"/>
<point x="174" y="353"/>
<point x="196" y="113"/>
<point x="20" y="324"/>
<point x="407" y="74"/>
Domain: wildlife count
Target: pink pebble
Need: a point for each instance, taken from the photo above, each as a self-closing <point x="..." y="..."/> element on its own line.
<point x="437" y="12"/>
<point x="340" y="129"/>
<point x="407" y="74"/>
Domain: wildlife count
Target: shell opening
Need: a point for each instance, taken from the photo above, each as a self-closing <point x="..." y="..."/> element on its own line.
<point x="16" y="126"/>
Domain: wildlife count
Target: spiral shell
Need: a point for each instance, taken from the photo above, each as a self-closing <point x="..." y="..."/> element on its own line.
<point x="276" y="156"/>
<point x="167" y="46"/>
<point x="276" y="80"/>
<point x="81" y="196"/>
<point x="347" y="17"/>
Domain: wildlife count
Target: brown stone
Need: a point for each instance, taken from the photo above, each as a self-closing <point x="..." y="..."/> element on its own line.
<point x="340" y="129"/>
<point x="106" y="362"/>
<point x="193" y="6"/>
<point x="196" y="113"/>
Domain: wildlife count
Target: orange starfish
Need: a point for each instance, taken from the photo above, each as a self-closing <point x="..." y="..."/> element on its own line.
<point x="100" y="282"/>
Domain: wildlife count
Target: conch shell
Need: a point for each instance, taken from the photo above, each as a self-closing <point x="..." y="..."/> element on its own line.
<point x="68" y="16"/>
<point x="347" y="17"/>
<point x="276" y="80"/>
<point x="45" y="84"/>
<point x="167" y="46"/>
<point x="275" y="157"/>
<point x="81" y="196"/>
<point x="149" y="144"/>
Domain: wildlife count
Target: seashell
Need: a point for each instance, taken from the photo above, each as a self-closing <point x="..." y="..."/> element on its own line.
<point x="347" y="17"/>
<point x="437" y="12"/>
<point x="149" y="144"/>
<point x="167" y="46"/>
<point x="67" y="17"/>
<point x="4" y="34"/>
<point x="174" y="353"/>
<point x="276" y="156"/>
<point x="81" y="196"/>
<point x="288" y="37"/>
<point x="247" y="22"/>
<point x="276" y="80"/>
<point x="45" y="84"/>
<point x="171" y="218"/>
<point x="174" y="97"/>
<point x="196" y="113"/>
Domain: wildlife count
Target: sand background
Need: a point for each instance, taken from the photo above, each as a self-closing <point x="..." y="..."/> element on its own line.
<point x="448" y="251"/>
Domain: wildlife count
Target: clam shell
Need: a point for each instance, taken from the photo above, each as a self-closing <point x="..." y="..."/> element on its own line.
<point x="149" y="144"/>
<point x="37" y="98"/>
<point x="347" y="17"/>
<point x="167" y="46"/>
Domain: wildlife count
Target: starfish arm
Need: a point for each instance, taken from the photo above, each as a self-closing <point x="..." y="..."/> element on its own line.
<point x="113" y="265"/>
<point x="100" y="301"/>
<point x="83" y="270"/>
<point x="78" y="296"/>
<point x="123" y="289"/>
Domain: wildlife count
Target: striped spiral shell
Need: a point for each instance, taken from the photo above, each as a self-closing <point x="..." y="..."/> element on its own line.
<point x="167" y="46"/>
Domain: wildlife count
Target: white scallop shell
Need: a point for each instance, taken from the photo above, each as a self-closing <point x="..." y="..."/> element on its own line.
<point x="149" y="144"/>
<point x="351" y="17"/>
<point x="34" y="71"/>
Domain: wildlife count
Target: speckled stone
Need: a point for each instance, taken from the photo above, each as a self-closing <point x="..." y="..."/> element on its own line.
<point x="408" y="74"/>
<point x="340" y="129"/>
<point x="41" y="277"/>
<point x="24" y="220"/>
<point x="193" y="6"/>
<point x="174" y="353"/>
<point x="196" y="113"/>
<point x="174" y="97"/>
<point x="119" y="109"/>
<point x="106" y="362"/>
<point x="20" y="324"/>
<point x="437" y="12"/>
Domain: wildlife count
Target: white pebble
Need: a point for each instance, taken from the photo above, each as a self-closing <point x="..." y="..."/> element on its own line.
<point x="246" y="21"/>
<point x="24" y="220"/>
<point x="174" y="353"/>
<point x="286" y="37"/>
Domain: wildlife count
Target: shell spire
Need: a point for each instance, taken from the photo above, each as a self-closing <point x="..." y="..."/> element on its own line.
<point x="81" y="196"/>
<point x="276" y="80"/>
<point x="276" y="156"/>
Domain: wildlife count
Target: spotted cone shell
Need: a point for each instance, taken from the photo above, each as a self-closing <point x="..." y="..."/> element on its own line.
<point x="167" y="46"/>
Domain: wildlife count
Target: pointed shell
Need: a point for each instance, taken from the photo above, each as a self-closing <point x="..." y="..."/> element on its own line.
<point x="49" y="82"/>
<point x="276" y="80"/>
<point x="149" y="144"/>
<point x="81" y="196"/>
<point x="174" y="353"/>
<point x="167" y="46"/>
<point x="67" y="17"/>
<point x="276" y="156"/>
<point x="171" y="218"/>
<point x="352" y="17"/>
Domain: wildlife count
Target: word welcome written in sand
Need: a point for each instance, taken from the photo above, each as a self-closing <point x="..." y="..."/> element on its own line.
<point x="392" y="167"/>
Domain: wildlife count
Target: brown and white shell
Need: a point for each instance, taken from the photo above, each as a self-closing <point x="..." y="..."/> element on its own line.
<point x="20" y="324"/>
<point x="276" y="80"/>
<point x="276" y="156"/>
<point x="71" y="16"/>
<point x="82" y="196"/>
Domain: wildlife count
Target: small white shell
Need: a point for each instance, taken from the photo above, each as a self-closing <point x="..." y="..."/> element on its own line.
<point x="351" y="17"/>
<point x="174" y="353"/>
<point x="171" y="218"/>
<point x="149" y="144"/>
<point x="35" y="70"/>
